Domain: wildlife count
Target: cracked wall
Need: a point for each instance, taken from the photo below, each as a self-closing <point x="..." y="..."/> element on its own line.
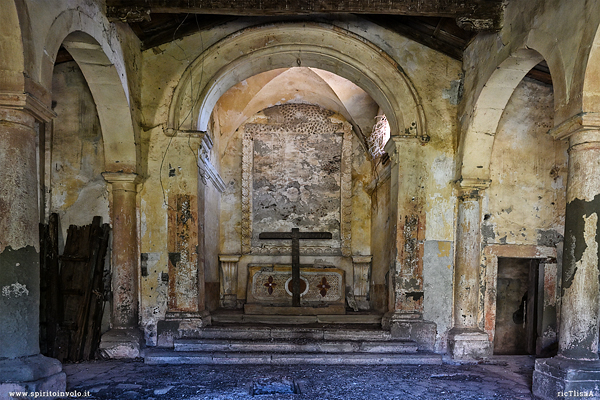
<point x="525" y="203"/>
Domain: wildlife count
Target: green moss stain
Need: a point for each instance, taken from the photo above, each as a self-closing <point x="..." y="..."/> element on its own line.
<point x="19" y="302"/>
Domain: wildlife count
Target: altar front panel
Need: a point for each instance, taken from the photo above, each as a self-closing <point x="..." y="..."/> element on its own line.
<point x="270" y="285"/>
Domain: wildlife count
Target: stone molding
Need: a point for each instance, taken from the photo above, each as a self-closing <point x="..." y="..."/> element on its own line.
<point x="205" y="167"/>
<point x="131" y="14"/>
<point x="391" y="147"/>
<point x="471" y="188"/>
<point x="122" y="181"/>
<point x="578" y="123"/>
<point x="247" y="166"/>
<point x="377" y="181"/>
<point x="346" y="191"/>
<point x="361" y="60"/>
<point x="27" y="102"/>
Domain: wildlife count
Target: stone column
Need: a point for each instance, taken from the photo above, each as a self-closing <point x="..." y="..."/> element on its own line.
<point x="466" y="340"/>
<point x="405" y="316"/>
<point x="362" y="281"/>
<point x="124" y="338"/>
<point x="22" y="367"/>
<point x="576" y="367"/>
<point x="229" y="280"/>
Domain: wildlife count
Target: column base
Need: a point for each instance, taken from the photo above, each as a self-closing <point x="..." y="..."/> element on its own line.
<point x="230" y="301"/>
<point x="32" y="374"/>
<point x="469" y="344"/>
<point x="177" y="325"/>
<point x="559" y="377"/>
<point x="121" y="344"/>
<point x="411" y="326"/>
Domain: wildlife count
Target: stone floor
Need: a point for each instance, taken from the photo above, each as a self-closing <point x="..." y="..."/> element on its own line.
<point x="502" y="377"/>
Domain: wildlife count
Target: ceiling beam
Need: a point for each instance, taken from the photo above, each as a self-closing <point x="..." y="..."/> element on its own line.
<point x="469" y="14"/>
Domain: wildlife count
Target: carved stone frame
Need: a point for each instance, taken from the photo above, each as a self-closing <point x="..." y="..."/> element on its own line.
<point x="345" y="197"/>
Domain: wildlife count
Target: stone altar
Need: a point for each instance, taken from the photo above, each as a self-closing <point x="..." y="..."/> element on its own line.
<point x="270" y="290"/>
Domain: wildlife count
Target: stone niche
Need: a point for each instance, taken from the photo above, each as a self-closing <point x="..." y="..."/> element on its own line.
<point x="296" y="173"/>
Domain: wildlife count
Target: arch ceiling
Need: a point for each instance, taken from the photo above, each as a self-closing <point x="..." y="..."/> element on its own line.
<point x="297" y="85"/>
<point x="12" y="62"/>
<point x="84" y="39"/>
<point x="477" y="142"/>
<point x="591" y="83"/>
<point x="259" y="49"/>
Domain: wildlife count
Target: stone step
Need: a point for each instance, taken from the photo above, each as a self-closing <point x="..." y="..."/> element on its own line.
<point x="158" y="357"/>
<point x="301" y="346"/>
<point x="288" y="333"/>
<point x="237" y="318"/>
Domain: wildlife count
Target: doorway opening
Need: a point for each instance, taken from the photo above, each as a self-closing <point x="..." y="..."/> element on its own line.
<point x="517" y="300"/>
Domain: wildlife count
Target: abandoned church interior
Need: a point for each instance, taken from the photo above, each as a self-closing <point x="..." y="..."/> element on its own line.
<point x="393" y="182"/>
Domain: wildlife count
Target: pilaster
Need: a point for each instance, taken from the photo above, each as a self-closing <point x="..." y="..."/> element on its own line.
<point x="405" y="316"/>
<point x="466" y="341"/>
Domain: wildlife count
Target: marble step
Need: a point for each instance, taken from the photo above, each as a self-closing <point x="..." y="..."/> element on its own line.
<point x="288" y="333"/>
<point x="299" y="346"/>
<point x="159" y="356"/>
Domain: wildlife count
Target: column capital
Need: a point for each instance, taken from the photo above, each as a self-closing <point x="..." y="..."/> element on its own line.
<point x="579" y="123"/>
<point x="470" y="188"/>
<point x="229" y="257"/>
<point x="395" y="143"/>
<point x="121" y="177"/>
<point x="358" y="259"/>
<point x="27" y="103"/>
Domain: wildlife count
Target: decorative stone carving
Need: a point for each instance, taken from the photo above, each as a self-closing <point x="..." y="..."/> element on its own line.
<point x="346" y="189"/>
<point x="229" y="281"/>
<point x="205" y="168"/>
<point x="362" y="281"/>
<point x="128" y="14"/>
<point x="247" y="164"/>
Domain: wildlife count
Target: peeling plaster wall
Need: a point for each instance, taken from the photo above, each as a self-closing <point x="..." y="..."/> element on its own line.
<point x="172" y="171"/>
<point x="78" y="190"/>
<point x="525" y="203"/>
<point x="438" y="80"/>
<point x="438" y="261"/>
<point x="381" y="231"/>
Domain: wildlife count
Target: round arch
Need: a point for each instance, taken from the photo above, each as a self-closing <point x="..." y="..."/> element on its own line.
<point x="12" y="62"/>
<point x="591" y="83"/>
<point x="316" y="91"/>
<point x="259" y="49"/>
<point x="102" y="66"/>
<point x="478" y="140"/>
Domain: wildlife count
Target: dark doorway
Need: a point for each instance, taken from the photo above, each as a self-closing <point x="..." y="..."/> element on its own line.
<point x="516" y="306"/>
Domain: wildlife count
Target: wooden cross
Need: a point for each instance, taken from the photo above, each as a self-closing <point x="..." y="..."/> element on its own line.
<point x="295" y="237"/>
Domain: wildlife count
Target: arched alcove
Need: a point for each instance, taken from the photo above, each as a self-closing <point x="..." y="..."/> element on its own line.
<point x="478" y="140"/>
<point x="102" y="67"/>
<point x="591" y="83"/>
<point x="255" y="50"/>
<point x="12" y="62"/>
